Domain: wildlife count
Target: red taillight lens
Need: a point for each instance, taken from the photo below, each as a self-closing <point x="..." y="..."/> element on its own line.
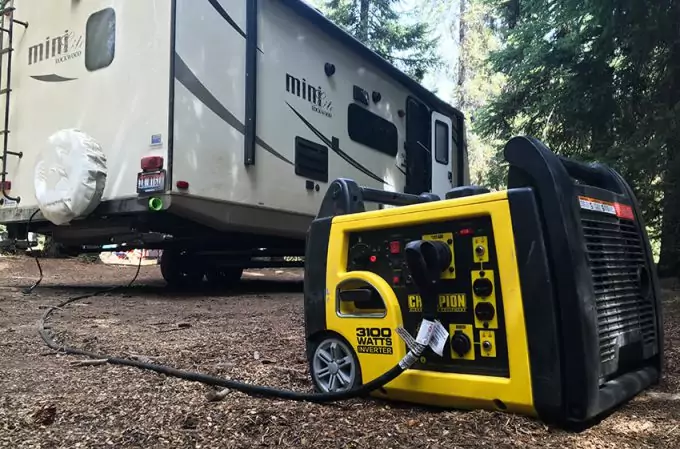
<point x="7" y="185"/>
<point x="182" y="185"/>
<point x="151" y="163"/>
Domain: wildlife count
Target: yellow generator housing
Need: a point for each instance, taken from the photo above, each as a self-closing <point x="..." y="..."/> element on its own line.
<point x="550" y="300"/>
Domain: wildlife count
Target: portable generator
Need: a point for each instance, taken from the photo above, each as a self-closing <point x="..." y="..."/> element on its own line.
<point x="545" y="294"/>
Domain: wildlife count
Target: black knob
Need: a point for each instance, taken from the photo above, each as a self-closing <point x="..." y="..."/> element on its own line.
<point x="485" y="311"/>
<point x="359" y="255"/>
<point x="482" y="287"/>
<point x="460" y="343"/>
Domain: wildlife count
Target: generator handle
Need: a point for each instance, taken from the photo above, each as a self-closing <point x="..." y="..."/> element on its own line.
<point x="345" y="196"/>
<point x="372" y="195"/>
<point x="593" y="174"/>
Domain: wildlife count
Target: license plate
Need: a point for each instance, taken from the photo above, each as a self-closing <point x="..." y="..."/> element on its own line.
<point x="151" y="182"/>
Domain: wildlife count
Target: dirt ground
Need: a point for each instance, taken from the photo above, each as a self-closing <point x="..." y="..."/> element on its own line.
<point x="255" y="335"/>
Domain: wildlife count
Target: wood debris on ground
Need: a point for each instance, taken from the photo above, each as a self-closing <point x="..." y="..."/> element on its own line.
<point x="253" y="335"/>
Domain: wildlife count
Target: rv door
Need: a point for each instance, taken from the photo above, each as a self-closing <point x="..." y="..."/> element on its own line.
<point x="418" y="165"/>
<point x="442" y="142"/>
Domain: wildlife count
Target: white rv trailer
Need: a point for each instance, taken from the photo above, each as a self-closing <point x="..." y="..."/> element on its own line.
<point x="234" y="115"/>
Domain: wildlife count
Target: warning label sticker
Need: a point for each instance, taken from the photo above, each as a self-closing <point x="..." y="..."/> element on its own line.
<point x="620" y="210"/>
<point x="597" y="205"/>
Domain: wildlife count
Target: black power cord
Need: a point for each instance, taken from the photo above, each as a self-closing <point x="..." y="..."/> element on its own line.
<point x="253" y="390"/>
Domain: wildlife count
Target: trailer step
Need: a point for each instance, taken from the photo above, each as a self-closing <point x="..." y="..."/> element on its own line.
<point x="19" y="154"/>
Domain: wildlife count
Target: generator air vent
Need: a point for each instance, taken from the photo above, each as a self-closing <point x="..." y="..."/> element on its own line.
<point x="625" y="310"/>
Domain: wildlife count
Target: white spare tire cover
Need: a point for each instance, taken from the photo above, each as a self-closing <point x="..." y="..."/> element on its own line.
<point x="70" y="176"/>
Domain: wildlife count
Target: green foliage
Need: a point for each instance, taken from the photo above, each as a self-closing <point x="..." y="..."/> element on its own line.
<point x="378" y="24"/>
<point x="477" y="85"/>
<point x="595" y="80"/>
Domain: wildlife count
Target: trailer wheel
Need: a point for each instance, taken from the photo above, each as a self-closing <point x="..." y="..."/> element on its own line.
<point x="224" y="276"/>
<point x="180" y="270"/>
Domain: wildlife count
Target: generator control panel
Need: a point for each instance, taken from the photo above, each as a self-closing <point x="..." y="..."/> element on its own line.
<point x="469" y="291"/>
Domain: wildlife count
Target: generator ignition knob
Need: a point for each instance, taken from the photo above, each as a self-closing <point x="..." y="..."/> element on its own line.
<point x="482" y="287"/>
<point x="480" y="250"/>
<point x="460" y="343"/>
<point x="485" y="311"/>
<point x="487" y="345"/>
<point x="359" y="255"/>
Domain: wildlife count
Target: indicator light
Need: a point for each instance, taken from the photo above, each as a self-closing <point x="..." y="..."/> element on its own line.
<point x="373" y="258"/>
<point x="466" y="231"/>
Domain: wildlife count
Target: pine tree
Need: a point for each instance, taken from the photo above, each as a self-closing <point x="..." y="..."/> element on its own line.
<point x="378" y="24"/>
<point x="598" y="81"/>
<point x="470" y="24"/>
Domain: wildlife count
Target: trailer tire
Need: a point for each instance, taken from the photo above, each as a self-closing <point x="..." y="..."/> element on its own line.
<point x="180" y="270"/>
<point x="224" y="277"/>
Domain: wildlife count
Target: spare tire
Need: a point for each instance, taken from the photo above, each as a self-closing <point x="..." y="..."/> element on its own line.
<point x="70" y="176"/>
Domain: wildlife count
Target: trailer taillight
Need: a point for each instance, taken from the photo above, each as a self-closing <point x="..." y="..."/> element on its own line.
<point x="6" y="186"/>
<point x="152" y="163"/>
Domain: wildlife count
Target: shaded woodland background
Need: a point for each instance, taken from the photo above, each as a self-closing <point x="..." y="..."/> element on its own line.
<point x="593" y="79"/>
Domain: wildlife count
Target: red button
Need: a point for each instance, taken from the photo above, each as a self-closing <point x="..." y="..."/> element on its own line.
<point x="373" y="258"/>
<point x="395" y="247"/>
<point x="395" y="280"/>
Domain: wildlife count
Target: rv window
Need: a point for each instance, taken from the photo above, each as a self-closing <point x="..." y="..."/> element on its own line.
<point x="372" y="130"/>
<point x="100" y="39"/>
<point x="442" y="142"/>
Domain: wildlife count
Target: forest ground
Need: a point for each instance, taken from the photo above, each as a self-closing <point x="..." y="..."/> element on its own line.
<point x="255" y="335"/>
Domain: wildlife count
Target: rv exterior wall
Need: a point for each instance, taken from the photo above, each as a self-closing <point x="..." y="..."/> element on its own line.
<point x="295" y="99"/>
<point x="101" y="66"/>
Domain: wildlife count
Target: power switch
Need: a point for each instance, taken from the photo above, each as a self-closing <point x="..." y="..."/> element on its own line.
<point x="480" y="248"/>
<point x="395" y="247"/>
<point x="488" y="339"/>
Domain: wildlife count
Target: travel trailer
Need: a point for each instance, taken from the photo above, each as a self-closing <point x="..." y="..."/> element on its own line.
<point x="206" y="128"/>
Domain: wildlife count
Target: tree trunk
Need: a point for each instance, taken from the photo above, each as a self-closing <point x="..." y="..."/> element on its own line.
<point x="363" y="20"/>
<point x="462" y="56"/>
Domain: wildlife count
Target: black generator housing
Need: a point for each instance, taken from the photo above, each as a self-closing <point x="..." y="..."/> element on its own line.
<point x="602" y="317"/>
